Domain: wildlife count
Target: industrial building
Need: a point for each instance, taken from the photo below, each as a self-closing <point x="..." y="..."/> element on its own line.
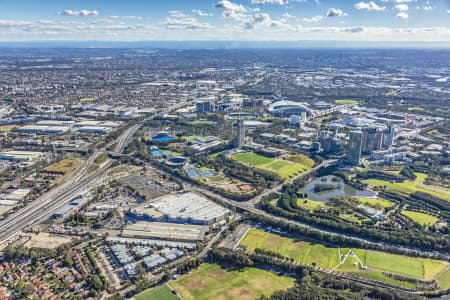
<point x="167" y="231"/>
<point x="27" y="156"/>
<point x="187" y="208"/>
<point x="151" y="242"/>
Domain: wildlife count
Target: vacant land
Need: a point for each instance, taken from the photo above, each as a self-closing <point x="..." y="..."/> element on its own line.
<point x="421" y="218"/>
<point x="46" y="241"/>
<point x="63" y="166"/>
<point x="284" y="168"/>
<point x="210" y="281"/>
<point x="329" y="257"/>
<point x="161" y="292"/>
<point x="7" y="128"/>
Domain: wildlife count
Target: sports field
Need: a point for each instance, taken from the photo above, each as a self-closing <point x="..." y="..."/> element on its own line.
<point x="328" y="256"/>
<point x="210" y="281"/>
<point x="421" y="218"/>
<point x="161" y="292"/>
<point x="409" y="187"/>
<point x="284" y="168"/>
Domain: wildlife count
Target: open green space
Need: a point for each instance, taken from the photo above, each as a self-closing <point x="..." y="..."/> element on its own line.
<point x="161" y="292"/>
<point x="376" y="202"/>
<point x="253" y="159"/>
<point x="345" y="101"/>
<point x="326" y="256"/>
<point x="300" y="250"/>
<point x="210" y="281"/>
<point x="421" y="218"/>
<point x="310" y="205"/>
<point x="88" y="100"/>
<point x="203" y="122"/>
<point x="409" y="187"/>
<point x="444" y="280"/>
<point x="303" y="159"/>
<point x="284" y="168"/>
<point x="350" y="217"/>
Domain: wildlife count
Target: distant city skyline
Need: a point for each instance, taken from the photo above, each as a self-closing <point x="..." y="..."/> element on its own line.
<point x="222" y="20"/>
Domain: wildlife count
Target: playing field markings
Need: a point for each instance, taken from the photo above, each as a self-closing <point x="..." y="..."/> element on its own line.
<point x="172" y="289"/>
<point x="352" y="254"/>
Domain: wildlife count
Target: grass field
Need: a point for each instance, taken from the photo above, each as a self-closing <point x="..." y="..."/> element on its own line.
<point x="409" y="187"/>
<point x="63" y="166"/>
<point x="421" y="218"/>
<point x="376" y="202"/>
<point x="310" y="205"/>
<point x="88" y="100"/>
<point x="328" y="256"/>
<point x="210" y="281"/>
<point x="303" y="159"/>
<point x="444" y="280"/>
<point x="284" y="168"/>
<point x="161" y="292"/>
<point x="345" y="101"/>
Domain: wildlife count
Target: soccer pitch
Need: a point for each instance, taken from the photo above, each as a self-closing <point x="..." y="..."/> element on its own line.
<point x="286" y="169"/>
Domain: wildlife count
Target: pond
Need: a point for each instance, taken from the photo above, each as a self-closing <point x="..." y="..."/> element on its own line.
<point x="340" y="189"/>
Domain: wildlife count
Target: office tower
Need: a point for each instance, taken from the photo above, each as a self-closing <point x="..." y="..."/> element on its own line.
<point x="241" y="134"/>
<point x="389" y="135"/>
<point x="372" y="139"/>
<point x="203" y="106"/>
<point x="354" y="147"/>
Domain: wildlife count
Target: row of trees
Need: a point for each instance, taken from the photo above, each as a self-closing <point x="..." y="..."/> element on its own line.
<point x="310" y="284"/>
<point x="408" y="237"/>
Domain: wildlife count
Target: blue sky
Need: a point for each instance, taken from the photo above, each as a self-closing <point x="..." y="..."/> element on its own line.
<point x="250" y="20"/>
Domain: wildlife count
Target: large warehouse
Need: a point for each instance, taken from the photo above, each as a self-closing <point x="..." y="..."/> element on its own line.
<point x="187" y="208"/>
<point x="288" y="108"/>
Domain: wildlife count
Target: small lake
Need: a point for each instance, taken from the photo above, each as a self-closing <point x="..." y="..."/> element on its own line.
<point x="341" y="189"/>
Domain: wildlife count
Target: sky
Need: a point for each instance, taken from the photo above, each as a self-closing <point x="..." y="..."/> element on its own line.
<point x="225" y="20"/>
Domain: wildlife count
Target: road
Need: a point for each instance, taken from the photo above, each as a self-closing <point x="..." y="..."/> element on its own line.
<point x="252" y="207"/>
<point x="42" y="207"/>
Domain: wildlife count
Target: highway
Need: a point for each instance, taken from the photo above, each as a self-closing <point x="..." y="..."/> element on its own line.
<point x="252" y="207"/>
<point x="42" y="207"/>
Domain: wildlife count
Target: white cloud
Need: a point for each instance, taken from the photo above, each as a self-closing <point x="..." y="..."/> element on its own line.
<point x="370" y="6"/>
<point x="313" y="19"/>
<point x="448" y="11"/>
<point x="288" y="16"/>
<point x="402" y="7"/>
<point x="202" y="13"/>
<point x="230" y="6"/>
<point x="232" y="10"/>
<point x="264" y="2"/>
<point x="177" y="14"/>
<point x="79" y="13"/>
<point x="402" y="15"/>
<point x="398" y="1"/>
<point x="335" y="12"/>
<point x="178" y="20"/>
